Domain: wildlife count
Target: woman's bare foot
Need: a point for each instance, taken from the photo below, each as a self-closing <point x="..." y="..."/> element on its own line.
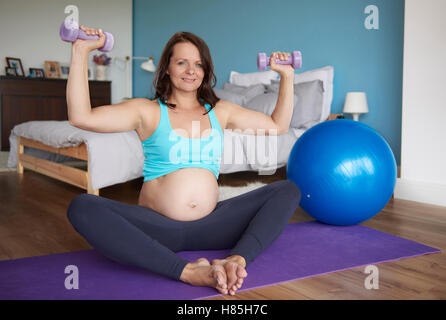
<point x="201" y="273"/>
<point x="235" y="271"/>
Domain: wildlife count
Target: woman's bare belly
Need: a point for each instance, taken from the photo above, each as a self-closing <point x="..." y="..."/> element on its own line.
<point x="186" y="194"/>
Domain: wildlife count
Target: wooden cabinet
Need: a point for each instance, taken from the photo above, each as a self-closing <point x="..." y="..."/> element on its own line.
<point x="28" y="99"/>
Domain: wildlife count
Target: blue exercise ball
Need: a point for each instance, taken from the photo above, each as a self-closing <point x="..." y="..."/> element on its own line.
<point x="345" y="170"/>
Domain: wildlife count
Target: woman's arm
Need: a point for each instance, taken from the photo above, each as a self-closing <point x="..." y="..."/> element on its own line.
<point x="285" y="103"/>
<point x="121" y="117"/>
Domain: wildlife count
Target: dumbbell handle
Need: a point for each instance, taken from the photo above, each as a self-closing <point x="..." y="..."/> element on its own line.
<point x="83" y="36"/>
<point x="278" y="61"/>
<point x="69" y="31"/>
<point x="295" y="60"/>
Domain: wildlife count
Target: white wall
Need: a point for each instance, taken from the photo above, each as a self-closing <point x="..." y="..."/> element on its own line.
<point x="29" y="30"/>
<point x="423" y="145"/>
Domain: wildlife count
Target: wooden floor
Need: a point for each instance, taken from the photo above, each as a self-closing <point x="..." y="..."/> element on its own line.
<point x="33" y="222"/>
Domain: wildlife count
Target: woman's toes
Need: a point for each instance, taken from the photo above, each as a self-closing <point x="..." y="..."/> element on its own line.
<point x="241" y="272"/>
<point x="234" y="274"/>
<point x="221" y="280"/>
<point x="220" y="277"/>
<point x="203" y="262"/>
<point x="231" y="273"/>
<point x="222" y="291"/>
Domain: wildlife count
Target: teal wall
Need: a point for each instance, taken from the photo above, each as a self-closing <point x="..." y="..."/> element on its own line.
<point x="327" y="32"/>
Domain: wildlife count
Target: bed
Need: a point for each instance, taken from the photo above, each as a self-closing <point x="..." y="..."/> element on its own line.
<point x="75" y="176"/>
<point x="111" y="158"/>
<point x="49" y="147"/>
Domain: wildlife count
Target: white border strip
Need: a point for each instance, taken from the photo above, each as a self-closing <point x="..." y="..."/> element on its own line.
<point x="426" y="192"/>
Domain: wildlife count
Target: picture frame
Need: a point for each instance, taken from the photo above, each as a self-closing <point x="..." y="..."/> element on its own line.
<point x="52" y="70"/>
<point x="16" y="64"/>
<point x="36" y="73"/>
<point x="65" y="70"/>
<point x="10" y="71"/>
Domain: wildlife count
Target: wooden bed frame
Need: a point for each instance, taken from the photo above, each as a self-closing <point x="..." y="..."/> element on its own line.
<point x="78" y="177"/>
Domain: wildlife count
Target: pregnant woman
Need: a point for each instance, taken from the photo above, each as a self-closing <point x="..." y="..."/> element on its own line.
<point x="178" y="206"/>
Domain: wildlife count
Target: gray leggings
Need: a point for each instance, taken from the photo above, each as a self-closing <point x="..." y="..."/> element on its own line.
<point x="139" y="236"/>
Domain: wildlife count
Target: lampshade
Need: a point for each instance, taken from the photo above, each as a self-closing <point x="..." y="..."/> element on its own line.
<point x="356" y="103"/>
<point x="149" y="65"/>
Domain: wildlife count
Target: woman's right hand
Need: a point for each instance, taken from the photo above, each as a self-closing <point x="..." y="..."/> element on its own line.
<point x="90" y="45"/>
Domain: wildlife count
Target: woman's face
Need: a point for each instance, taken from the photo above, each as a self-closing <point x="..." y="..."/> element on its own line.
<point x="185" y="67"/>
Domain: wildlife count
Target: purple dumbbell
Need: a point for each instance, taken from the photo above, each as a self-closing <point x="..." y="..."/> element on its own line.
<point x="69" y="31"/>
<point x="295" y="60"/>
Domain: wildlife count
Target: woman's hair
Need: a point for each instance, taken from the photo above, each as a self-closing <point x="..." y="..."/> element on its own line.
<point x="161" y="80"/>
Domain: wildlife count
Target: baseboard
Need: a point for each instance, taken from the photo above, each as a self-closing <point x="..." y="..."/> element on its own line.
<point x="419" y="191"/>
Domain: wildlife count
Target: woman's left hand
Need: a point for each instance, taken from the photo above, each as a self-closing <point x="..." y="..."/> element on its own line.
<point x="282" y="69"/>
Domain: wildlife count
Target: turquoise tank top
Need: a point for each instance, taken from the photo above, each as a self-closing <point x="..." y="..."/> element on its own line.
<point x="165" y="151"/>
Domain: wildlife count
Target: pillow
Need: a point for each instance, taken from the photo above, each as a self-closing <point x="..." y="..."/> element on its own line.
<point x="275" y="85"/>
<point x="230" y="96"/>
<point x="308" y="103"/>
<point x="249" y="79"/>
<point x="265" y="102"/>
<point x="324" y="74"/>
<point x="239" y="94"/>
<point x="248" y="92"/>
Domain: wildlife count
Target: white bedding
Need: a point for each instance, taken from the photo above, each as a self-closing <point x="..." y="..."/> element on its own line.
<point x="118" y="157"/>
<point x="269" y="153"/>
<point x="113" y="157"/>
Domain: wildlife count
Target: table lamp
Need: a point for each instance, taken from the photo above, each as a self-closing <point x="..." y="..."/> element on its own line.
<point x="356" y="103"/>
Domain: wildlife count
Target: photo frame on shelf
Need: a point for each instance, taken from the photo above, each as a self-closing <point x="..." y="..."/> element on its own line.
<point x="16" y="64"/>
<point x="65" y="70"/>
<point x="52" y="70"/>
<point x="10" y="71"/>
<point x="36" y="73"/>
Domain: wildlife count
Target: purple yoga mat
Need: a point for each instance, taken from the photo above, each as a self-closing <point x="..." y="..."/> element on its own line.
<point x="303" y="250"/>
